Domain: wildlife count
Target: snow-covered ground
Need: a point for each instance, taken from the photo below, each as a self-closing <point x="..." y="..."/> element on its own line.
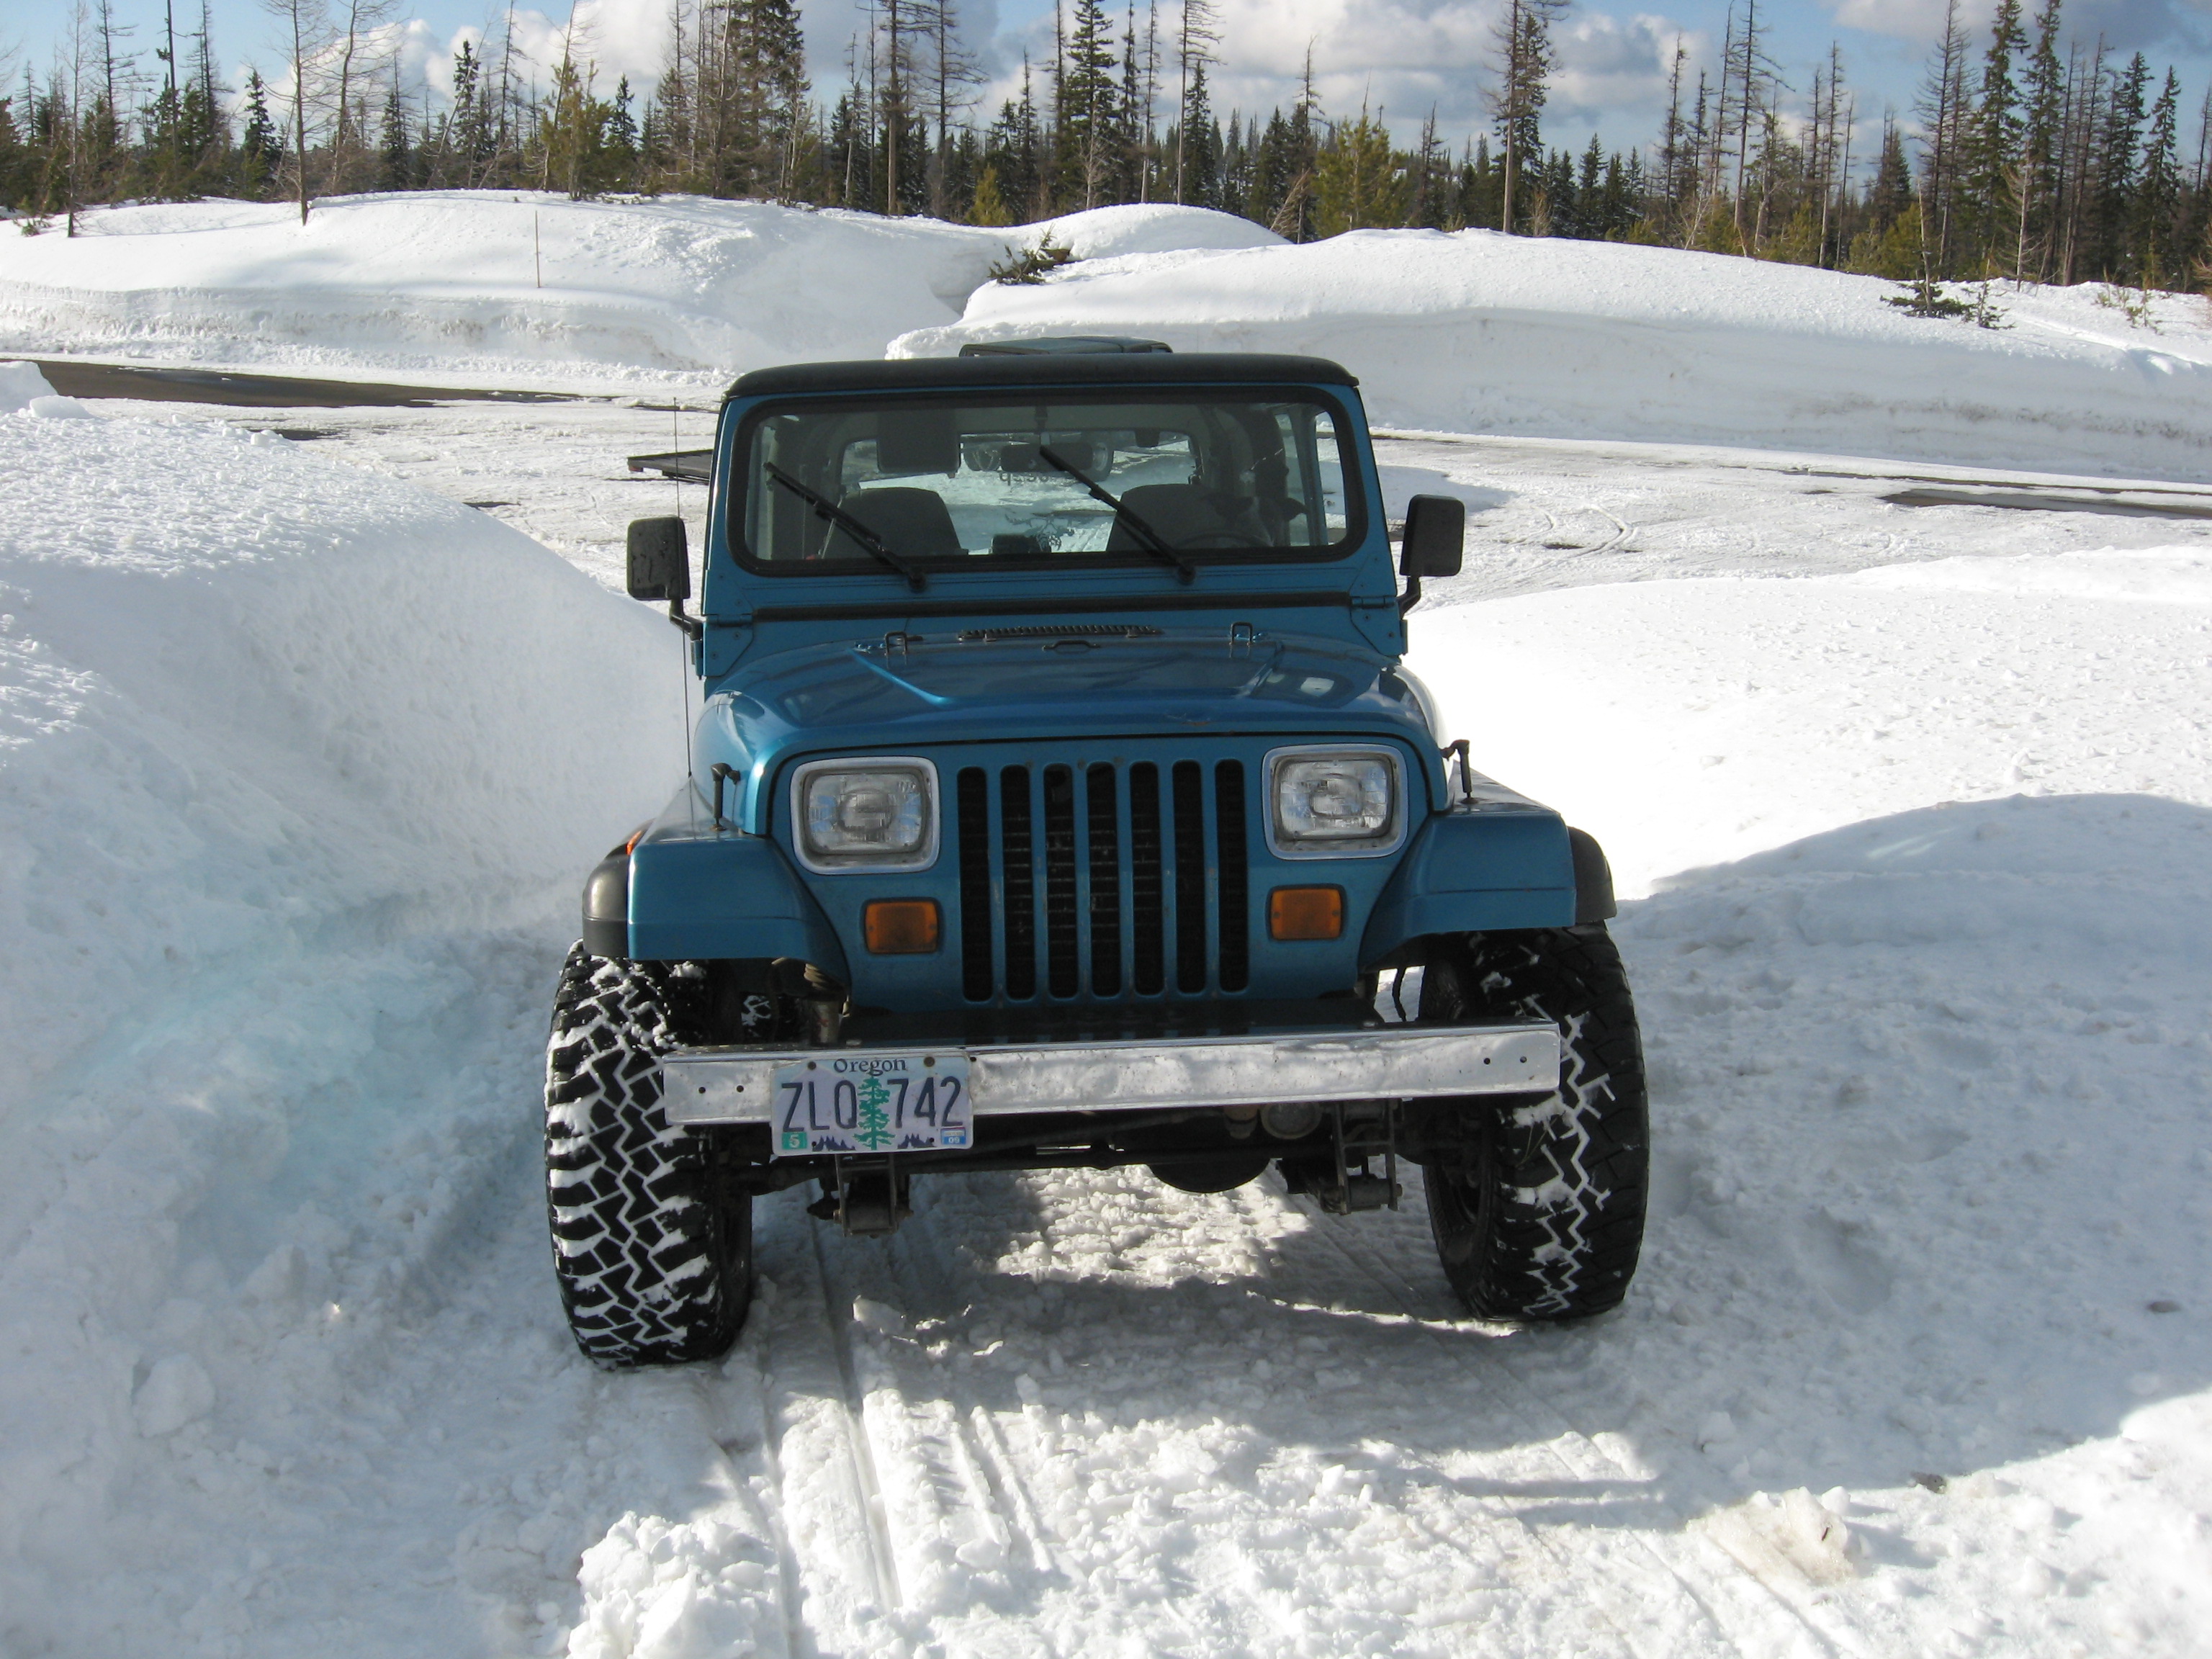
<point x="300" y="765"/>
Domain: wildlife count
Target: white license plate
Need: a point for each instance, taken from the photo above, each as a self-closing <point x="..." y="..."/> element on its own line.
<point x="871" y="1103"/>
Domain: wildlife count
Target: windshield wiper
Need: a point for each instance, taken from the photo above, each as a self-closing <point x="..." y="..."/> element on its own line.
<point x="1154" y="543"/>
<point x="829" y="513"/>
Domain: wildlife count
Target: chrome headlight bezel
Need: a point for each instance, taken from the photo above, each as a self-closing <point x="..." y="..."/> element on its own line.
<point x="823" y="863"/>
<point x="1284" y="844"/>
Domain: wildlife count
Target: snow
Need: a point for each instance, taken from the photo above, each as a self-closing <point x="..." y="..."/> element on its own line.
<point x="302" y="760"/>
<point x="494" y="288"/>
<point x="1476" y="332"/>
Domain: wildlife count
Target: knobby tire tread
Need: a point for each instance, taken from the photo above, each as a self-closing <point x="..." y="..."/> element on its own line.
<point x="1539" y="1216"/>
<point x="654" y="1263"/>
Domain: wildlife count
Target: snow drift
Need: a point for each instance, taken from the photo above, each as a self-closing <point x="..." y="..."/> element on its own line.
<point x="285" y="750"/>
<point x="1480" y="332"/>
<point x="249" y="692"/>
<point x="490" y="287"/>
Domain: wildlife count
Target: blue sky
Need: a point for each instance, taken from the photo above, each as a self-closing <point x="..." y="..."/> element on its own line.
<point x="1403" y="56"/>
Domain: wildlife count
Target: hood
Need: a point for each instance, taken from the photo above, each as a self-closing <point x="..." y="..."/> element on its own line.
<point x="1011" y="684"/>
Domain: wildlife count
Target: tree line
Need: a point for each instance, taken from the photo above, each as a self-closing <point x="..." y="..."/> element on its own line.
<point x="2028" y="155"/>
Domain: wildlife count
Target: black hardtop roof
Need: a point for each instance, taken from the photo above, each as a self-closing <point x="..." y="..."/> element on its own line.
<point x="1081" y="369"/>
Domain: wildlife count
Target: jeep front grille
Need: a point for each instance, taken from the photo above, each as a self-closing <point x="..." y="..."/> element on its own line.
<point x="1102" y="882"/>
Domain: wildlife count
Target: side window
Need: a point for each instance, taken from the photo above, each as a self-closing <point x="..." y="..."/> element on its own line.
<point x="1313" y="484"/>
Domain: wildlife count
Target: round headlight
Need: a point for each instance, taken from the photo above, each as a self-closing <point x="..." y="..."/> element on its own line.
<point x="878" y="816"/>
<point x="1326" y="800"/>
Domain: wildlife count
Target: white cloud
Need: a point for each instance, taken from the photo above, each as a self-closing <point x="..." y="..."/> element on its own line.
<point x="1404" y="57"/>
<point x="2126" y="25"/>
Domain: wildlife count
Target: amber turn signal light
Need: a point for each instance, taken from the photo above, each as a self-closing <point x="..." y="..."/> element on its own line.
<point x="900" y="928"/>
<point x="1306" y="913"/>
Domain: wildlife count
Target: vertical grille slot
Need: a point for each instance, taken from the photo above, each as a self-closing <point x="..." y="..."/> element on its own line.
<point x="1019" y="879"/>
<point x="974" y="799"/>
<point x="1189" y="790"/>
<point x="1147" y="891"/>
<point x="1062" y="973"/>
<point x="1234" y="946"/>
<point x="1099" y="798"/>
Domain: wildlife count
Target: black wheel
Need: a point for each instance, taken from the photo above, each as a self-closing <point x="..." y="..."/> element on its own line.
<point x="654" y="1261"/>
<point x="1538" y="1210"/>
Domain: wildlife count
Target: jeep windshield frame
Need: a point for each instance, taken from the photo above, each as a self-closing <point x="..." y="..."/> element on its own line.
<point x="952" y="481"/>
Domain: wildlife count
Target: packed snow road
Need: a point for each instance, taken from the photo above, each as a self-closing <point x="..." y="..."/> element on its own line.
<point x="1914" y="805"/>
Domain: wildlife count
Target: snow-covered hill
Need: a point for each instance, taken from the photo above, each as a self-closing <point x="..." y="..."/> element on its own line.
<point x="1481" y="332"/>
<point x="1471" y="333"/>
<point x="493" y="287"/>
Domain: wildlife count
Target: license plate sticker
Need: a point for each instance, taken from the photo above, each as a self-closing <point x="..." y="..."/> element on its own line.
<point x="872" y="1103"/>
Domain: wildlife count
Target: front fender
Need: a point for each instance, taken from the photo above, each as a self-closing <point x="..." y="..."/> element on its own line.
<point x="1494" y="866"/>
<point x="697" y="893"/>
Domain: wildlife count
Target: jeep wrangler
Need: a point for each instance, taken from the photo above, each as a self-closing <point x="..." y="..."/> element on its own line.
<point x="1058" y="800"/>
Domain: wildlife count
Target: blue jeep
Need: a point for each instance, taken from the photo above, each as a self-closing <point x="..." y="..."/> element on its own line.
<point x="1058" y="801"/>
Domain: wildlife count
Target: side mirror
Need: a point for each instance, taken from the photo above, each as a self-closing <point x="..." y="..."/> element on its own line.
<point x="1435" y="535"/>
<point x="659" y="560"/>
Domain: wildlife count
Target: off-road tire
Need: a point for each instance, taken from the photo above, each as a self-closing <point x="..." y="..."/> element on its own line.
<point x="1538" y="1209"/>
<point x="654" y="1261"/>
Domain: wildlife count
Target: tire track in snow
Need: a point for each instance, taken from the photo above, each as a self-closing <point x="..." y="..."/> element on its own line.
<point x="925" y="1275"/>
<point x="841" y="1594"/>
<point x="1717" y="1592"/>
<point x="952" y="1482"/>
<point x="1627" y="1623"/>
<point x="882" y="1557"/>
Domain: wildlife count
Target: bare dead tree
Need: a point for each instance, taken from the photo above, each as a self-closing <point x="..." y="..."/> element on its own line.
<point x="304" y="31"/>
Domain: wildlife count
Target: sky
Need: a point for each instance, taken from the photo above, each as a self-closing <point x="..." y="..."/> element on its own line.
<point x="1403" y="57"/>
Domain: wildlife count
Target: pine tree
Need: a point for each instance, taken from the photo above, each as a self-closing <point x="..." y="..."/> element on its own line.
<point x="952" y="71"/>
<point x="2042" y="135"/>
<point x="1358" y="183"/>
<point x="1197" y="32"/>
<point x="1945" y="113"/>
<point x="989" y="207"/>
<point x="1293" y="217"/>
<point x="1521" y="56"/>
<point x="395" y="151"/>
<point x="2119" y="150"/>
<point x="1012" y="154"/>
<point x="259" y="151"/>
<point x="1088" y="114"/>
<point x="621" y="137"/>
<point x="2156" y="234"/>
<point x="1994" y="165"/>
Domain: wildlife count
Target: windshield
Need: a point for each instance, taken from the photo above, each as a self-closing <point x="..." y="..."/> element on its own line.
<point x="1158" y="478"/>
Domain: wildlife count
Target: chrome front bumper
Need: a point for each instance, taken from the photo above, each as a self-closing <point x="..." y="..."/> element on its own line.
<point x="1400" y="1062"/>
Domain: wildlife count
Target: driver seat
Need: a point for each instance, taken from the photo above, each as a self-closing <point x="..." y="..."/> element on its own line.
<point x="914" y="522"/>
<point x="1182" y="512"/>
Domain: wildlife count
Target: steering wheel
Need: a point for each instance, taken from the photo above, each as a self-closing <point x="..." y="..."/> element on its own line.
<point x="1216" y="539"/>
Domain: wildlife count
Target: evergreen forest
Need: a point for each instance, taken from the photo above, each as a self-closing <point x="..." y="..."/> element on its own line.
<point x="2030" y="154"/>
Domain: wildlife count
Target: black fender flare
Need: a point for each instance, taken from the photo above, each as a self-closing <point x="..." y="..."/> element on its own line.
<point x="606" y="901"/>
<point x="1594" y="900"/>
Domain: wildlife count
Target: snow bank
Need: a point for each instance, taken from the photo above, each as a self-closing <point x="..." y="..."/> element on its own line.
<point x="1110" y="233"/>
<point x="249" y="691"/>
<point x="289" y="757"/>
<point x="24" y="391"/>
<point x="485" y="286"/>
<point x="1480" y="332"/>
